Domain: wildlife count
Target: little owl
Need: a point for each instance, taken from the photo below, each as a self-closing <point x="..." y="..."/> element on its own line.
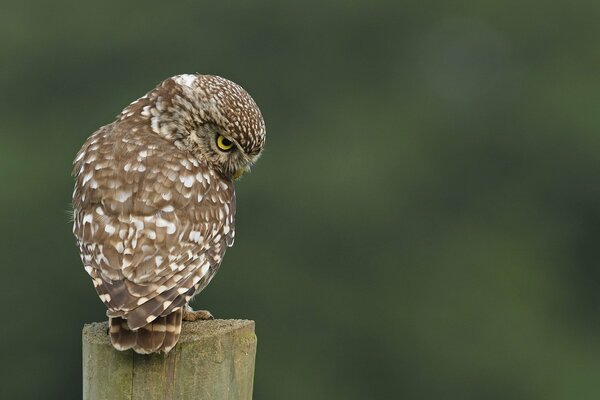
<point x="154" y="203"/>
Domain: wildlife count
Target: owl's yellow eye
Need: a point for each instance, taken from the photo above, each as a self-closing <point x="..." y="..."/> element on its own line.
<point x="223" y="143"/>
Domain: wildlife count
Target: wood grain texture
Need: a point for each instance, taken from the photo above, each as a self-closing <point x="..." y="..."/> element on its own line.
<point x="213" y="360"/>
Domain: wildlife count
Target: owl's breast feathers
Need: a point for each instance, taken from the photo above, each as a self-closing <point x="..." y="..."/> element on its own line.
<point x="152" y="222"/>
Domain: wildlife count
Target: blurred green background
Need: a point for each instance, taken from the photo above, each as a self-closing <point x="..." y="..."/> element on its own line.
<point x="424" y="221"/>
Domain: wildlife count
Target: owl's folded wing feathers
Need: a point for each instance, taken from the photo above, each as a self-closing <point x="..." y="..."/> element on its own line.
<point x="151" y="222"/>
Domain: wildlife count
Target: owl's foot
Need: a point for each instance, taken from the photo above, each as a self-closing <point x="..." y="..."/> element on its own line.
<point x="191" y="315"/>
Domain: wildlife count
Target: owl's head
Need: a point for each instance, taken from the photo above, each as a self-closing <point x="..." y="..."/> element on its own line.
<point x="211" y="117"/>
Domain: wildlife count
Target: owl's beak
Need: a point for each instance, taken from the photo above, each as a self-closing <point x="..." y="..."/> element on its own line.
<point x="238" y="174"/>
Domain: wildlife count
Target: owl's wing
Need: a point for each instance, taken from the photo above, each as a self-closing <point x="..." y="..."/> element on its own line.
<point x="152" y="223"/>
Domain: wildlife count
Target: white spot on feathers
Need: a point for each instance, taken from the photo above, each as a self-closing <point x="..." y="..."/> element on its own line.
<point x="185" y="80"/>
<point x="162" y="223"/>
<point x="204" y="269"/>
<point x="87" y="218"/>
<point x="196" y="236"/>
<point x="187" y="180"/>
<point x="105" y="298"/>
<point x="123" y="195"/>
<point x="139" y="224"/>
<point x="142" y="300"/>
<point x="87" y="177"/>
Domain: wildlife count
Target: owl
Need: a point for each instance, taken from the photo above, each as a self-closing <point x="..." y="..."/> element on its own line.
<point x="154" y="203"/>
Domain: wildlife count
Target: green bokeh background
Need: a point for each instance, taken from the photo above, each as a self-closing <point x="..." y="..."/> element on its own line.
<point x="423" y="223"/>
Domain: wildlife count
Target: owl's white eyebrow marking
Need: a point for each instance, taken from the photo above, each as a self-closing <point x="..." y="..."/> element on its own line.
<point x="185" y="80"/>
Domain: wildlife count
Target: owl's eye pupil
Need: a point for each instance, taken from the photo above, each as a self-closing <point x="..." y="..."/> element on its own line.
<point x="223" y="143"/>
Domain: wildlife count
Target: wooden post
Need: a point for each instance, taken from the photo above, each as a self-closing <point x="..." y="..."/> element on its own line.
<point x="213" y="360"/>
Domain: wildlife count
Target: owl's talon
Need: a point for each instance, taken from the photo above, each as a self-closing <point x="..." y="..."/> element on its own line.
<point x="199" y="315"/>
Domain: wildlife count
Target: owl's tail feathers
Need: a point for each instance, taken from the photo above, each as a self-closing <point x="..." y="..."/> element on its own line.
<point x="161" y="334"/>
<point x="121" y="337"/>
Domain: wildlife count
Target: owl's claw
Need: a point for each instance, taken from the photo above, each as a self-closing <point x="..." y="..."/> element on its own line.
<point x="191" y="315"/>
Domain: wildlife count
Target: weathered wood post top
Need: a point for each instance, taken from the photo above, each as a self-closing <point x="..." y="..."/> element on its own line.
<point x="212" y="360"/>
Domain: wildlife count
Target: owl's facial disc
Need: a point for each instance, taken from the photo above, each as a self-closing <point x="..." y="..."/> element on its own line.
<point x="229" y="145"/>
<point x="214" y="145"/>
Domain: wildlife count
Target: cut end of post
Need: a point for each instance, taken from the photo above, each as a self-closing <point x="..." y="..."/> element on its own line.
<point x="213" y="360"/>
<point x="96" y="332"/>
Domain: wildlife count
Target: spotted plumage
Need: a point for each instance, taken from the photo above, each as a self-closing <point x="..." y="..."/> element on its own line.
<point x="154" y="202"/>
